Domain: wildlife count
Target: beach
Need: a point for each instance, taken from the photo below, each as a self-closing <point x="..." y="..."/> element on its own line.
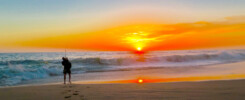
<point x="122" y="50"/>
<point x="211" y="90"/>
<point x="223" y="82"/>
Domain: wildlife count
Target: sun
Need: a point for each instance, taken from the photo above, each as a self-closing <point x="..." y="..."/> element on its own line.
<point x="140" y="80"/>
<point x="139" y="48"/>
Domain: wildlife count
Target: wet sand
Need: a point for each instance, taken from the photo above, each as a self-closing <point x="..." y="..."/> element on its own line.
<point x="209" y="90"/>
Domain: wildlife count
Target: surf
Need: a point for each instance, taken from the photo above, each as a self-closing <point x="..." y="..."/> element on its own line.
<point x="16" y="68"/>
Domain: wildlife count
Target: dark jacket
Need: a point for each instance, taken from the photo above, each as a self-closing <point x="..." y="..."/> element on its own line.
<point x="67" y="65"/>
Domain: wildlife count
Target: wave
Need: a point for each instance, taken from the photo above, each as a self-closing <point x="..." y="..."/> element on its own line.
<point x="223" y="56"/>
<point x="16" y="71"/>
<point x="220" y="56"/>
<point x="159" y="57"/>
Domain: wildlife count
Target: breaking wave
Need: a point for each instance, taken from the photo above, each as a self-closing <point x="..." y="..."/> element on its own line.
<point x="17" y="68"/>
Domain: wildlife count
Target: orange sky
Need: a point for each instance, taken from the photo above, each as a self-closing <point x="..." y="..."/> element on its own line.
<point x="121" y="25"/>
<point x="150" y="37"/>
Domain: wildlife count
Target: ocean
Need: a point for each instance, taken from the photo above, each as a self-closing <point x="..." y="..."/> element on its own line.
<point x="18" y="68"/>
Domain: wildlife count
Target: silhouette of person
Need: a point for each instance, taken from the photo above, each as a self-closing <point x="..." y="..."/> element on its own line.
<point x="67" y="68"/>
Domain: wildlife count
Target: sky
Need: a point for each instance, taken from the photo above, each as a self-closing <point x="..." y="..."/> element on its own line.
<point x="121" y="25"/>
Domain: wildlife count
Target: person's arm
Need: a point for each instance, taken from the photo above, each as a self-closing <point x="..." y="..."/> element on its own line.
<point x="69" y="64"/>
<point x="63" y="63"/>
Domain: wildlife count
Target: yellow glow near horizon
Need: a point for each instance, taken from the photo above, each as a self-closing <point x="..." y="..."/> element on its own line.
<point x="138" y="39"/>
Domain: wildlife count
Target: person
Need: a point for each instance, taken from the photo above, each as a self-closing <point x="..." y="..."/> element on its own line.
<point x="67" y="68"/>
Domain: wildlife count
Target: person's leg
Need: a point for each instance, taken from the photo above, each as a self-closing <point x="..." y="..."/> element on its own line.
<point x="64" y="78"/>
<point x="70" y="78"/>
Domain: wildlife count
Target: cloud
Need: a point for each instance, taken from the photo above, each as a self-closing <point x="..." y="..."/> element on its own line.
<point x="235" y="19"/>
<point x="202" y="34"/>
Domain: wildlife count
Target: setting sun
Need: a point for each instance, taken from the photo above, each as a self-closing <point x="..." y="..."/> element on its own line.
<point x="139" y="48"/>
<point x="140" y="80"/>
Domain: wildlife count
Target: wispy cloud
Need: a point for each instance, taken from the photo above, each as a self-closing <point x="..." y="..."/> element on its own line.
<point x="202" y="34"/>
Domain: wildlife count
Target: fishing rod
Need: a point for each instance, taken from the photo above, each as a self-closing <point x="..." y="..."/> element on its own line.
<point x="65" y="52"/>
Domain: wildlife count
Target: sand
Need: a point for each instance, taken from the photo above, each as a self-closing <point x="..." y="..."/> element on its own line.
<point x="209" y="90"/>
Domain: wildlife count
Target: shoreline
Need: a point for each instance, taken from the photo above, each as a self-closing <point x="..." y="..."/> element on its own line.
<point x="204" y="73"/>
<point x="215" y="82"/>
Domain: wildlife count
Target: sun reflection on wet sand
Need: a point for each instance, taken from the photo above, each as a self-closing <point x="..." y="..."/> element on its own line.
<point x="160" y="80"/>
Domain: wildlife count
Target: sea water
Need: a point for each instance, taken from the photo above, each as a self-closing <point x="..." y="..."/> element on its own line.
<point x="17" y="68"/>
